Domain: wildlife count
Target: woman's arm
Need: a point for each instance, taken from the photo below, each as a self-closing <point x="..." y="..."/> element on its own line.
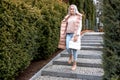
<point x="79" y="28"/>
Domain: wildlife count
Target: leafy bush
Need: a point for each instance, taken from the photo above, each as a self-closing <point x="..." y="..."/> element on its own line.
<point x="27" y="31"/>
<point x="17" y="39"/>
<point x="111" y="56"/>
<point x="52" y="12"/>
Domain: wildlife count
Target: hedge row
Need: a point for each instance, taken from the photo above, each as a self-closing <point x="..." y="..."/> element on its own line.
<point x="111" y="56"/>
<point x="52" y="14"/>
<point x="28" y="30"/>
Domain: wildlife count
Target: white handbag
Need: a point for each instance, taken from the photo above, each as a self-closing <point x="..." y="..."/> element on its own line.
<point x="75" y="45"/>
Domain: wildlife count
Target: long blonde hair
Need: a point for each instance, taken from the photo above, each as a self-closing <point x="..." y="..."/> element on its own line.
<point x="75" y="8"/>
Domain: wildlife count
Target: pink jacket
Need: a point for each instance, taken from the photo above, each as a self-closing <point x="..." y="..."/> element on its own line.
<point x="78" y="25"/>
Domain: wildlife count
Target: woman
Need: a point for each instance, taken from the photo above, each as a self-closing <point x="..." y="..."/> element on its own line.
<point x="71" y="27"/>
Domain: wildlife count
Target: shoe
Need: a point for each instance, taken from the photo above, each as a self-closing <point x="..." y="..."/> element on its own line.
<point x="74" y="67"/>
<point x="69" y="61"/>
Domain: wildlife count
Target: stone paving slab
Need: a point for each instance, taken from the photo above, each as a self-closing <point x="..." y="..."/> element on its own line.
<point x="55" y="78"/>
<point x="91" y="44"/>
<point x="81" y="72"/>
<point x="91" y="41"/>
<point x="92" y="38"/>
<point x="80" y="62"/>
<point x="84" y="56"/>
<point x="91" y="47"/>
<point x="93" y="33"/>
<point x="89" y="54"/>
<point x="89" y="58"/>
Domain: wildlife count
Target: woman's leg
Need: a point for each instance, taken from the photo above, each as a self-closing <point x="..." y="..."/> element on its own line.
<point x="74" y="54"/>
<point x="70" y="59"/>
<point x="75" y="59"/>
<point x="68" y="38"/>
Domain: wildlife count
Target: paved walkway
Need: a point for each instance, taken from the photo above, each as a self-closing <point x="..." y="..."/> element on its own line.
<point x="89" y="64"/>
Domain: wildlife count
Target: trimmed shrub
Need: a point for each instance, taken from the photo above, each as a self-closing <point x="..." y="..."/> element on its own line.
<point x="17" y="38"/>
<point x="52" y="12"/>
<point x="111" y="56"/>
<point x="89" y="10"/>
<point x="28" y="30"/>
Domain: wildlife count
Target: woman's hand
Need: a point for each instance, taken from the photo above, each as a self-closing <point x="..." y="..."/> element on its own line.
<point x="75" y="38"/>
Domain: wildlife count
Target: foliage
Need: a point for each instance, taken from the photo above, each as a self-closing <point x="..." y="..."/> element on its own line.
<point x="16" y="40"/>
<point x="111" y="56"/>
<point x="52" y="12"/>
<point x="28" y="30"/>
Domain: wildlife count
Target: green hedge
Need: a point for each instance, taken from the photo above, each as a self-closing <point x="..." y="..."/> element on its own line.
<point x="27" y="31"/>
<point x="52" y="12"/>
<point x="111" y="56"/>
<point x="17" y="38"/>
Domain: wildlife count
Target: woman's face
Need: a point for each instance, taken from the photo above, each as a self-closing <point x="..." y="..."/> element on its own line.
<point x="72" y="10"/>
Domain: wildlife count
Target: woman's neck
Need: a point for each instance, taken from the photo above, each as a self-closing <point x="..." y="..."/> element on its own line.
<point x="72" y="14"/>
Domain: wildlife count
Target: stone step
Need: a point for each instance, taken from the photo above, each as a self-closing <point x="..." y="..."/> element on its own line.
<point x="85" y="73"/>
<point x="92" y="37"/>
<point x="80" y="62"/>
<point x="91" y="44"/>
<point x="93" y="33"/>
<point x="54" y="78"/>
<point x="91" y="41"/>
<point x="88" y="64"/>
<point x="89" y="54"/>
<point x="92" y="48"/>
